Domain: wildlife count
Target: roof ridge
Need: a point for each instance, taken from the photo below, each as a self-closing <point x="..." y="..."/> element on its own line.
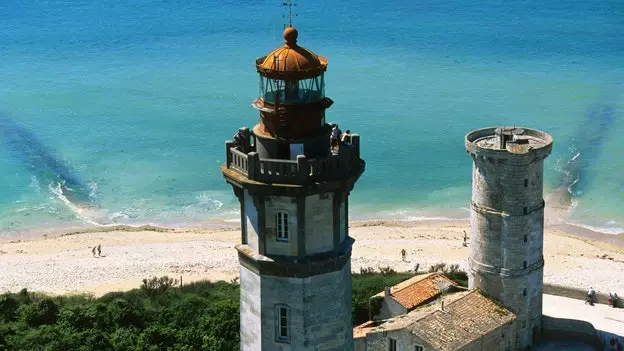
<point x="468" y="294"/>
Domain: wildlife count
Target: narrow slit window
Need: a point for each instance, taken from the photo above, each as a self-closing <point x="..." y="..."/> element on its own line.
<point x="524" y="292"/>
<point x="526" y="183"/>
<point x="526" y="238"/>
<point x="283" y="334"/>
<point x="281" y="226"/>
<point x="524" y="264"/>
<point x="392" y="344"/>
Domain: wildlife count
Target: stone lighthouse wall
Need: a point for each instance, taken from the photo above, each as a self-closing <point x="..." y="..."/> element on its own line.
<point x="507" y="224"/>
<point x="309" y="274"/>
<point x="319" y="311"/>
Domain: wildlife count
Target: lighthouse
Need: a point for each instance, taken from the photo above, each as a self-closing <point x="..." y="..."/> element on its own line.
<point x="293" y="183"/>
<point x="507" y="222"/>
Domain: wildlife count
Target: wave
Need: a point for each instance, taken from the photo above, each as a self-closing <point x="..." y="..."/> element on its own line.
<point x="129" y="218"/>
<point x="423" y="219"/>
<point x="598" y="228"/>
<point x="85" y="212"/>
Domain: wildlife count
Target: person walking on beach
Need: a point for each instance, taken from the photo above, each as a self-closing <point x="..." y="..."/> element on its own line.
<point x="403" y="253"/>
<point x="93" y="251"/>
<point x="465" y="239"/>
<point x="591" y="296"/>
<point x="99" y="250"/>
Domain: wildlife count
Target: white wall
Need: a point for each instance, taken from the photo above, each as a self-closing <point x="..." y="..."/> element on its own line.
<point x="319" y="223"/>
<point x="274" y="204"/>
<point x="251" y="216"/>
<point x="320" y="311"/>
<point x="250" y="332"/>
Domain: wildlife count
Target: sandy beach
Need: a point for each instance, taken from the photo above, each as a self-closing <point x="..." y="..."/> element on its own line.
<point x="65" y="264"/>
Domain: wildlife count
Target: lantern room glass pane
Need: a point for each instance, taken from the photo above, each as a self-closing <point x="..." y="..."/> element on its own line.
<point x="292" y="92"/>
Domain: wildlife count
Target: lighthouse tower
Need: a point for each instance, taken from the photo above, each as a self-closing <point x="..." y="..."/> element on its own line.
<point x="507" y="222"/>
<point x="293" y="186"/>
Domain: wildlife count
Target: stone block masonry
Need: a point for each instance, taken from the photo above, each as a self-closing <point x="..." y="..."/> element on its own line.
<point x="319" y="311"/>
<point x="507" y="221"/>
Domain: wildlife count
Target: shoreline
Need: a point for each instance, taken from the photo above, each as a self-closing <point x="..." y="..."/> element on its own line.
<point x="557" y="214"/>
<point x="64" y="264"/>
<point x="573" y="230"/>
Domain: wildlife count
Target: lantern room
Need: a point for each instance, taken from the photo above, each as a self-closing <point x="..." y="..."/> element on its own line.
<point x="292" y="99"/>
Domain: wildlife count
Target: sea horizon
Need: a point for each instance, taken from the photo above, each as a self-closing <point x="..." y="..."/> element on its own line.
<point x="117" y="113"/>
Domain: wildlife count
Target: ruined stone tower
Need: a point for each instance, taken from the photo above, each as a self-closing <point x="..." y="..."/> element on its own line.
<point x="507" y="221"/>
<point x="293" y="186"/>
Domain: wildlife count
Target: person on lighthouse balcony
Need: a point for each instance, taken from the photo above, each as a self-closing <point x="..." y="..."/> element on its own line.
<point x="335" y="136"/>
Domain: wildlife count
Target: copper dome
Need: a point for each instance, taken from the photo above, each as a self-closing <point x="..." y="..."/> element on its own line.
<point x="291" y="61"/>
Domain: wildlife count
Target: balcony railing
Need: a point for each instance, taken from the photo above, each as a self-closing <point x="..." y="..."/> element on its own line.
<point x="339" y="165"/>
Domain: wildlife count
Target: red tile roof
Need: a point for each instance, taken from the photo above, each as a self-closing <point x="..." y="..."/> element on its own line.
<point x="419" y="289"/>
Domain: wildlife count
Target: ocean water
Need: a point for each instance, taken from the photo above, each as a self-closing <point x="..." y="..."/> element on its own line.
<point x="133" y="101"/>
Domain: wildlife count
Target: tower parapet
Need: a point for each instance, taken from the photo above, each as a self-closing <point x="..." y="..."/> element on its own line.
<point x="507" y="221"/>
<point x="293" y="186"/>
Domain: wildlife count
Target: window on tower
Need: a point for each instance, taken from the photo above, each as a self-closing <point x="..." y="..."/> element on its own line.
<point x="281" y="226"/>
<point x="282" y="319"/>
<point x="392" y="344"/>
<point x="292" y="92"/>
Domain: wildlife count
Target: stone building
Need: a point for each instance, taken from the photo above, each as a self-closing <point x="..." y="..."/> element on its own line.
<point x="293" y="186"/>
<point x="463" y="321"/>
<point x="407" y="295"/>
<point x="503" y="308"/>
<point x="507" y="222"/>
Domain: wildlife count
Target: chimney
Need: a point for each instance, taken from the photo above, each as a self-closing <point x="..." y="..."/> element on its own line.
<point x="387" y="291"/>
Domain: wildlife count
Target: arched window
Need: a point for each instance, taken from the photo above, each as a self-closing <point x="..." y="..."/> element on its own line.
<point x="282" y="319"/>
<point x="281" y="226"/>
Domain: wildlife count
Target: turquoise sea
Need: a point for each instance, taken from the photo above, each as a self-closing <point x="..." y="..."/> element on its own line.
<point x="134" y="100"/>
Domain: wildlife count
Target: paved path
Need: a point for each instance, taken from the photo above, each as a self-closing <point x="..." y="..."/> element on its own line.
<point x="608" y="321"/>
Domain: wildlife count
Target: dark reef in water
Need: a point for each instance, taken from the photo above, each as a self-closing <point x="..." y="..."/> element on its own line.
<point x="585" y="148"/>
<point x="43" y="161"/>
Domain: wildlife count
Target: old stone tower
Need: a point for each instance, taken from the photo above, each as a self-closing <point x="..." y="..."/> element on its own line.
<point x="507" y="221"/>
<point x="293" y="185"/>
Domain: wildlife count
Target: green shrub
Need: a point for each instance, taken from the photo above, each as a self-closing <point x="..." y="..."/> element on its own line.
<point x="459" y="277"/>
<point x="40" y="313"/>
<point x="452" y="272"/>
<point x="159" y="336"/>
<point x="83" y="317"/>
<point x="366" y="286"/>
<point x="204" y="316"/>
<point x="124" y="338"/>
<point x="125" y="314"/>
<point x="157" y="286"/>
<point x="8" y="308"/>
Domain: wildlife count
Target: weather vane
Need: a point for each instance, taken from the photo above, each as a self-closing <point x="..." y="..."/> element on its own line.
<point x="290" y="5"/>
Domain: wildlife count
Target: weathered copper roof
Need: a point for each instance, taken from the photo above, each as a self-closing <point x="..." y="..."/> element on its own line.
<point x="291" y="61"/>
<point x="419" y="289"/>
